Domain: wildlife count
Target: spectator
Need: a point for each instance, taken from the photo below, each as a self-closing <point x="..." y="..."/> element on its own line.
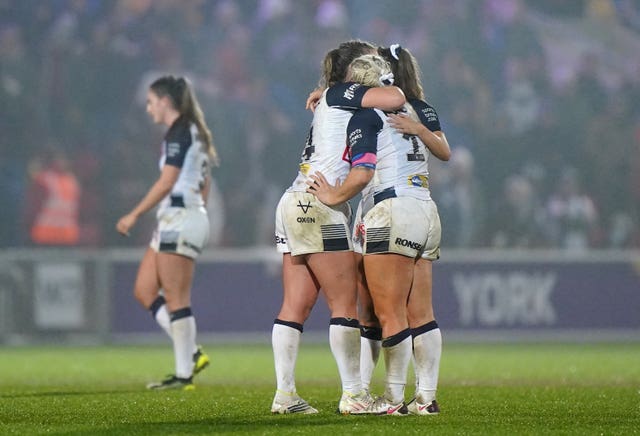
<point x="460" y="201"/>
<point x="53" y="201"/>
<point x="519" y="83"/>
<point x="572" y="216"/>
<point x="516" y="220"/>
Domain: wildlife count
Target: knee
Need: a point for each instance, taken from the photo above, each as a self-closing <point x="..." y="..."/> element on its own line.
<point x="346" y="309"/>
<point x="418" y="321"/>
<point x="304" y="312"/>
<point x="298" y="313"/>
<point x="390" y="313"/>
<point x="144" y="296"/>
<point x="419" y="316"/>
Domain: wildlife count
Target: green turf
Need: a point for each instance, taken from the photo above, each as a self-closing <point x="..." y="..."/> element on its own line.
<point x="484" y="389"/>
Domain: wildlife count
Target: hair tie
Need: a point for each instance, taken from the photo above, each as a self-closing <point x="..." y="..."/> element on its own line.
<point x="180" y="83"/>
<point x="386" y="79"/>
<point x="395" y="51"/>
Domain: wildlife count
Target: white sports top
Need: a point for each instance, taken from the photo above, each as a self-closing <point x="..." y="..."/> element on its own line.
<point x="326" y="146"/>
<point x="400" y="161"/>
<point x="182" y="148"/>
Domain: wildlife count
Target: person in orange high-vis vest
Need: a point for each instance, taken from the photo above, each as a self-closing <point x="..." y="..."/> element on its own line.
<point x="55" y="221"/>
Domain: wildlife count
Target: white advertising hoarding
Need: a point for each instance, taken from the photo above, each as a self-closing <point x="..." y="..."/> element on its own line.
<point x="59" y="292"/>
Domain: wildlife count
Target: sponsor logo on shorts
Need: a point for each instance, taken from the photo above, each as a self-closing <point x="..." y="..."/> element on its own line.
<point x="408" y="243"/>
<point x="280" y="240"/>
<point x="305" y="207"/>
<point x="306" y="220"/>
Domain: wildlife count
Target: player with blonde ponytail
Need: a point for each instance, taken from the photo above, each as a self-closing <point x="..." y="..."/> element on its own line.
<point x="397" y="231"/>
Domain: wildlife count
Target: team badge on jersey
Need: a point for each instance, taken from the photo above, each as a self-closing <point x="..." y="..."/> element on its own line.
<point x="304" y="168"/>
<point x="418" y="180"/>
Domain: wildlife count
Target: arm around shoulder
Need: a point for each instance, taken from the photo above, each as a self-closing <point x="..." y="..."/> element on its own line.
<point x="386" y="98"/>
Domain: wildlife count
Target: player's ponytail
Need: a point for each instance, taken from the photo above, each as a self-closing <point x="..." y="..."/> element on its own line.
<point x="327" y="79"/>
<point x="406" y="71"/>
<point x="190" y="108"/>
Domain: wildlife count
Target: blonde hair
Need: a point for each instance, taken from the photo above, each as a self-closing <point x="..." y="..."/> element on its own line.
<point x="336" y="62"/>
<point x="368" y="70"/>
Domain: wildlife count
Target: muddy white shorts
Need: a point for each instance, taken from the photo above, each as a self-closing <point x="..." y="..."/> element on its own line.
<point x="401" y="225"/>
<point x="180" y="230"/>
<point x="357" y="232"/>
<point x="305" y="225"/>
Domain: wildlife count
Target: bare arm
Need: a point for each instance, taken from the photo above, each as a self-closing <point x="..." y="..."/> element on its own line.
<point x="386" y="98"/>
<point x="156" y="193"/>
<point x="436" y="142"/>
<point x="330" y="195"/>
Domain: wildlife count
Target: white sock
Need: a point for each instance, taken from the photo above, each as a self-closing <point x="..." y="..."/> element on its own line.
<point x="396" y="359"/>
<point x="369" y="354"/>
<point x="183" y="332"/>
<point x="163" y="319"/>
<point x="427" y="350"/>
<point x="344" y="341"/>
<point x="285" y="341"/>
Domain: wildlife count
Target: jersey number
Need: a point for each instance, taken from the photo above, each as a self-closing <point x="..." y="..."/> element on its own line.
<point x="309" y="149"/>
<point x="416" y="155"/>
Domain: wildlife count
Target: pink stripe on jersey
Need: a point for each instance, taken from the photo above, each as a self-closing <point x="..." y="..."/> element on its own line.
<point x="365" y="159"/>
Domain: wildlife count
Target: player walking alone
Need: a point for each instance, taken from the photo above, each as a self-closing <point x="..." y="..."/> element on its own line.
<point x="182" y="231"/>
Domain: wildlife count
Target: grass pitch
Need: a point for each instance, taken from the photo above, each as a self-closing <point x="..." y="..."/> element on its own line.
<point x="505" y="389"/>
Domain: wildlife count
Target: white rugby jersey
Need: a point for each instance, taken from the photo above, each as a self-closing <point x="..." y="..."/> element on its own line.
<point x="326" y="146"/>
<point x="400" y="161"/>
<point x="182" y="148"/>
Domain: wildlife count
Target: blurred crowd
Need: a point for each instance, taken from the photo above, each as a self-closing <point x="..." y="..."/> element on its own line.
<point x="540" y="101"/>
